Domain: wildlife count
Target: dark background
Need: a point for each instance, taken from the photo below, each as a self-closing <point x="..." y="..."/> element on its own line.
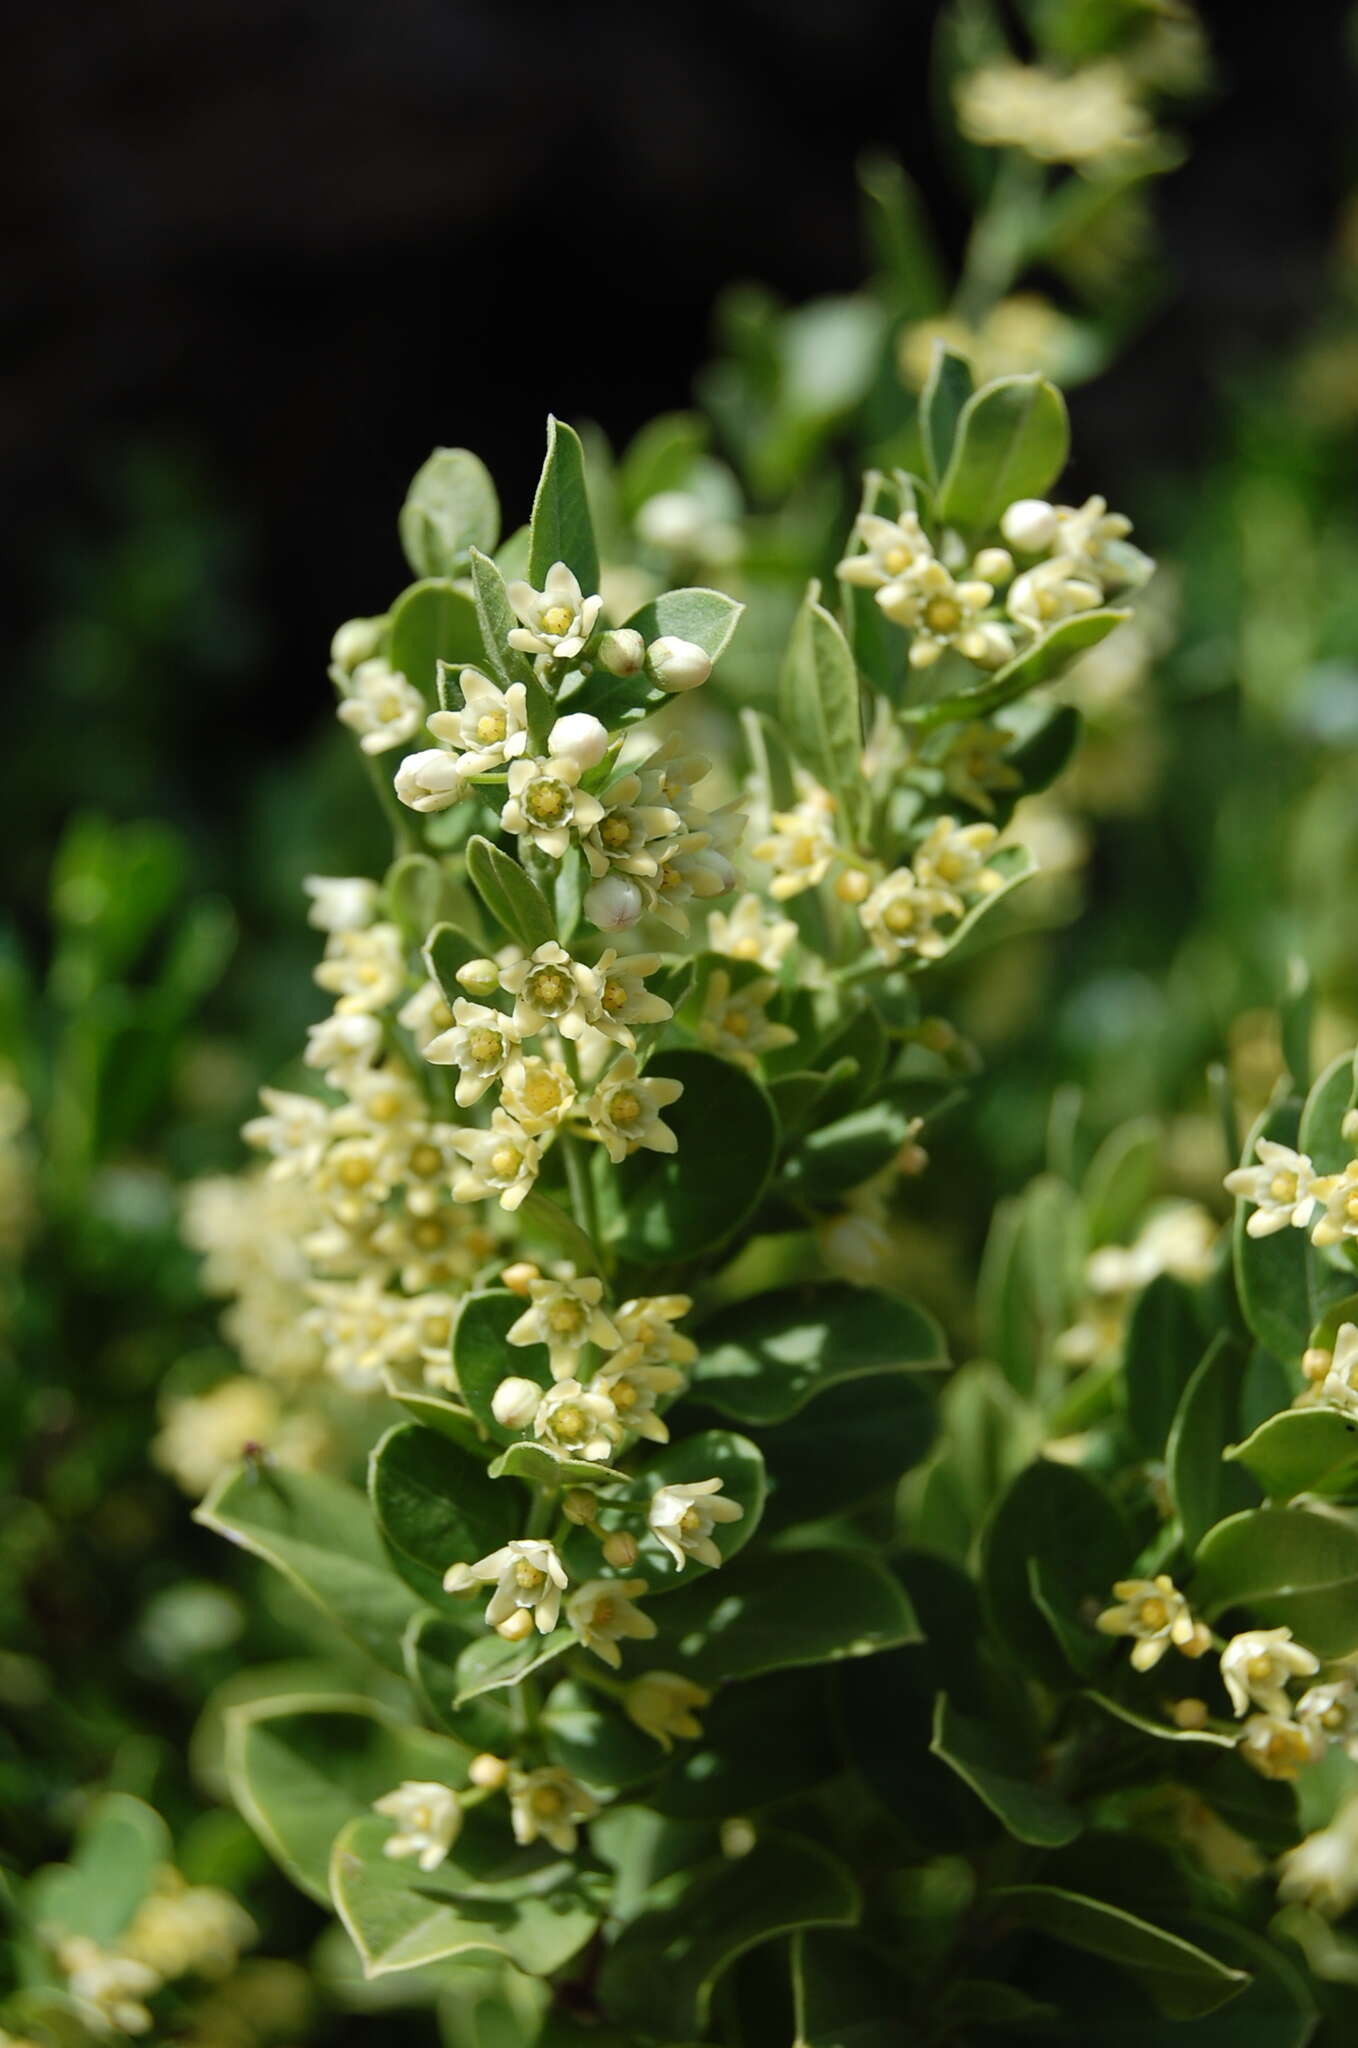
<point x="265" y="255"/>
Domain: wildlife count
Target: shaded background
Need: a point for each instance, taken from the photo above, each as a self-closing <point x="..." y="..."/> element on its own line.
<point x="267" y="254"/>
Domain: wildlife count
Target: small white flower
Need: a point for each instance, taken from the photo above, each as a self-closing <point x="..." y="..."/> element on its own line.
<point x="892" y="548"/>
<point x="380" y="706"/>
<point x="615" y="904"/>
<point x="343" y="1044"/>
<point x="432" y="780"/>
<point x="582" y="738"/>
<point x="624" y="1110"/>
<point x="622" y="998"/>
<point x="527" y="1574"/>
<point x="801" y="844"/>
<point x="539" y="1094"/>
<point x="634" y="1391"/>
<point x="502" y="1161"/>
<point x="974" y="765"/>
<point x="941" y="613"/>
<point x="749" y="934"/>
<point x="577" y="1422"/>
<point x="515" y="1402"/>
<point x="366" y="970"/>
<point x="1333" y="1710"/>
<point x="662" y="1705"/>
<point x="426" y="1014"/>
<point x="683" y="1517"/>
<point x="1029" y="525"/>
<point x="735" y="1023"/>
<point x="565" y="1315"/>
<point x="1256" y="1666"/>
<point x="341" y="903"/>
<point x="900" y="917"/>
<point x="678" y="665"/>
<point x="549" y="987"/>
<point x="1322" y="1871"/>
<point x="603" y="1613"/>
<point x="557" y="620"/>
<point x="355" y="641"/>
<point x="549" y="1803"/>
<point x="295" y="1129"/>
<point x="953" y="857"/>
<point x="647" y="1332"/>
<point x="1051" y="591"/>
<point x="545" y="804"/>
<point x="115" y="1986"/>
<point x="1340" y="1385"/>
<point x="428" y="1819"/>
<point x="489" y="727"/>
<point x="1156" y="1613"/>
<point x="1277" y="1747"/>
<point x="481" y="1043"/>
<point x="1283" y="1187"/>
<point x="622" y="651"/>
<point x="1338" y="1218"/>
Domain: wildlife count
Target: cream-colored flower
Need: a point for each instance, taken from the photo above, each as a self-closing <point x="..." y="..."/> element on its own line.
<point x="683" y="1517"/>
<point x="527" y="1575"/>
<point x="801" y="844"/>
<point x="1156" y="1613"/>
<point x="556" y="620"/>
<point x="634" y="1390"/>
<point x="622" y="998"/>
<point x="662" y="1704"/>
<point x="1090" y="118"/>
<point x="565" y="1315"/>
<point x="1322" y="1871"/>
<point x="603" y="1613"/>
<point x="539" y="1094"/>
<point x="1256" y="1666"/>
<point x="295" y="1129"/>
<point x="1095" y="539"/>
<point x="343" y="1044"/>
<point x="481" y="1043"/>
<point x="624" y="1110"/>
<point x="380" y="706"/>
<point x="648" y="1336"/>
<point x="203" y="1435"/>
<point x="489" y="727"/>
<point x="546" y="804"/>
<point x="954" y="857"/>
<point x="974" y="765"/>
<point x="941" y="612"/>
<point x="631" y="834"/>
<point x="1277" y="1747"/>
<point x="515" y="1402"/>
<point x="180" y="1928"/>
<point x="341" y="903"/>
<point x="735" y="1022"/>
<point x="549" y="987"/>
<point x="1283" y="1187"/>
<point x="1177" y="1238"/>
<point x="428" y="1820"/>
<point x="1338" y="1217"/>
<point x="1051" y="591"/>
<point x="365" y="969"/>
<point x="891" y="549"/>
<point x="1333" y="1710"/>
<point x="577" y="1422"/>
<point x="1339" y="1388"/>
<point x="550" y="1803"/>
<point x="502" y="1161"/>
<point x="900" y="917"/>
<point x="748" y="933"/>
<point x="114" y="1987"/>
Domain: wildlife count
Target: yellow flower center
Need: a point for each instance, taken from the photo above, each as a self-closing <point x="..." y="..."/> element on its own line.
<point x="389" y="707"/>
<point x="490" y="728"/>
<point x="941" y="615"/>
<point x="1283" y="1187"/>
<point x="527" y="1577"/>
<point x="1333" y="1718"/>
<point x="383" y="1108"/>
<point x="897" y="559"/>
<point x="424" y="1161"/>
<point x="570" y="1422"/>
<point x="899" y="917"/>
<point x="547" y="1801"/>
<point x="624" y="1396"/>
<point x="1154" y="1614"/>
<point x="368" y="974"/>
<point x="1259" y="1669"/>
<point x="625" y="1108"/>
<point x="557" y="619"/>
<point x="435" y="1330"/>
<point x="353" y="1172"/>
<point x="427" y="1236"/>
<point x="542" y="1094"/>
<point x="546" y="801"/>
<point x="803" y="850"/>
<point x="691" y="1522"/>
<point x="565" y="1317"/>
<point x="602" y="1615"/>
<point x="744" y="949"/>
<point x="614" y="997"/>
<point x="505" y="1162"/>
<point x="736" y="1024"/>
<point x="615" y="831"/>
<point x="548" y="990"/>
<point x="484" y="1045"/>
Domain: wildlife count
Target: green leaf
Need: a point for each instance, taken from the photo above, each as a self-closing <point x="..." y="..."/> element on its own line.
<point x="511" y="896"/>
<point x="1284" y="1284"/>
<point x="301" y="1768"/>
<point x="843" y="1154"/>
<point x="1058" y="1519"/>
<point x="1290" y="1567"/>
<point x="1202" y="1488"/>
<point x="1042" y="662"/>
<point x="706" y="617"/>
<point x="537" y="1465"/>
<point x="450" y="507"/>
<point x="594" y="1740"/>
<point x="1321" y="1136"/>
<point x="1030" y="1280"/>
<point x="819" y="706"/>
<point x="496" y="620"/>
<point x="432" y="622"/>
<point x="764" y="1359"/>
<point x="435" y="1505"/>
<point x="777" y="1612"/>
<point x="662" y="1208"/>
<point x="490" y="1663"/>
<point x="415" y="889"/>
<point x="448" y="1417"/>
<point x="762" y="1741"/>
<point x="119" y="1852"/>
<point x="483" y="1355"/>
<point x="318" y="1532"/>
<point x="1012" y="441"/>
<point x="841" y="1448"/>
<point x="1029" y="1810"/>
<point x="1184" y="1980"/>
<point x="562" y="530"/>
<point x="712" y="1454"/>
<point x="946" y="391"/>
<point x="1121" y="1178"/>
<point x="909" y="271"/>
<point x="445" y="950"/>
<point x="660" y="1974"/>
<point x="1303" y="1450"/>
<point x="661" y="457"/>
<point x="400" y="1917"/>
<point x="1163" y="1350"/>
<point x="433" y="1645"/>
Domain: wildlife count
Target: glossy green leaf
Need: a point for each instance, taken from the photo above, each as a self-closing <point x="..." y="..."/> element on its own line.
<point x="820" y="707"/>
<point x="432" y="622"/>
<point x="1184" y="1980"/>
<point x="1012" y="441"/>
<point x="845" y="1445"/>
<point x="843" y="1154"/>
<point x="432" y="1647"/>
<point x="661" y="1208"/>
<point x="1321" y="1136"/>
<point x="946" y="391"/>
<point x="562" y="529"/>
<point x="319" y="1533"/>
<point x="1162" y="1351"/>
<point x="301" y="1768"/>
<point x="1302" y="1450"/>
<point x="448" y="1417"/>
<point x="660" y="1973"/>
<point x="451" y="506"/>
<point x="706" y="617"/>
<point x="712" y="1454"/>
<point x="1041" y="662"/>
<point x="762" y="1741"/>
<point x="1060" y="1520"/>
<point x="400" y="1917"/>
<point x="1031" y="1280"/>
<point x="511" y="895"/>
<point x="446" y="948"/>
<point x="435" y="1505"/>
<point x="1030" y="1810"/>
<point x="1202" y="1488"/>
<point x="121" y="1848"/>
<point x="489" y="1663"/>
<point x="1121" y="1178"/>
<point x="592" y="1738"/>
<point x="765" y="1358"/>
<point x="483" y="1355"/>
<point x="1290" y="1567"/>
<point x="537" y="1465"/>
<point x="774" y="1613"/>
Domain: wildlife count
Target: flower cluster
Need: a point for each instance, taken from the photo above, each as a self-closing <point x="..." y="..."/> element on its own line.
<point x="1091" y="118"/>
<point x="178" y="1930"/>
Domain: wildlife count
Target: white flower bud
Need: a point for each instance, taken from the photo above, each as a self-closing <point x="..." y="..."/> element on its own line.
<point x="1029" y="525"/>
<point x="355" y="641"/>
<point x="614" y="904"/>
<point x="487" y="1772"/>
<point x="677" y="664"/>
<point x="515" y="1402"/>
<point x="621" y="1550"/>
<point x="480" y="978"/>
<point x="993" y="565"/>
<point x="579" y="1506"/>
<point x="519" y="1277"/>
<point x="622" y="652"/>
<point x="578" y="737"/>
<point x="516" y="1626"/>
<point x="430" y="781"/>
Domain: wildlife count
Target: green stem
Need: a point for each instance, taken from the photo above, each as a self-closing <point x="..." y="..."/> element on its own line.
<point x="405" y="833"/>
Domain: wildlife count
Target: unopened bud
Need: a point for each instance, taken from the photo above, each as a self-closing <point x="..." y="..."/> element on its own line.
<point x="519" y="1277"/>
<point x="738" y="1837"/>
<point x="579" y="1506"/>
<point x="516" y="1627"/>
<point x="1316" y="1362"/>
<point x="1029" y="525"/>
<point x="622" y="652"/>
<point x="993" y="565"/>
<point x="853" y="886"/>
<point x="936" y="1034"/>
<point x="355" y="641"/>
<point x="1189" y="1713"/>
<point x="487" y="1772"/>
<point x="515" y="1402"/>
<point x="620" y="1550"/>
<point x="677" y="664"/>
<point x="614" y="904"/>
<point x="578" y="737"/>
<point x="480" y="978"/>
<point x="430" y="780"/>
